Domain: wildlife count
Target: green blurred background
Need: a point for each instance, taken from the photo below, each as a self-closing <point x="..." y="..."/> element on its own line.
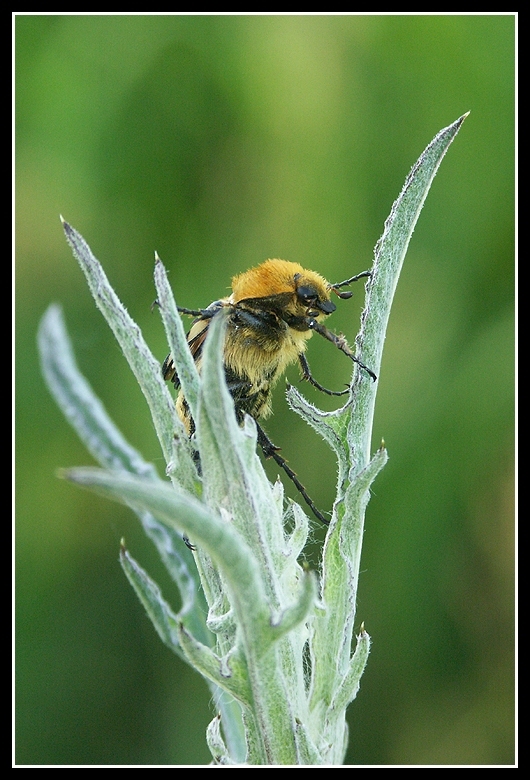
<point x="219" y="142"/>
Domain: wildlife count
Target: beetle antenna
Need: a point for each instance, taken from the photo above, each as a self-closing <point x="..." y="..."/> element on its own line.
<point x="348" y="294"/>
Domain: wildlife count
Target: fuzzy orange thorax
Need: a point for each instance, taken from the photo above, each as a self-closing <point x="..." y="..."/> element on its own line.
<point x="274" y="277"/>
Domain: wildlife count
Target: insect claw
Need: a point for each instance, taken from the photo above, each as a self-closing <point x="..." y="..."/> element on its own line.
<point x="188" y="544"/>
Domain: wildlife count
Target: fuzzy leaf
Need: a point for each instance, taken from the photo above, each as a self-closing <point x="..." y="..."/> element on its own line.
<point x="158" y="610"/>
<point x="187" y="515"/>
<point x="140" y="358"/>
<point x="87" y="415"/>
<point x="176" y="336"/>
<point x="228" y="674"/>
<point x="78" y="402"/>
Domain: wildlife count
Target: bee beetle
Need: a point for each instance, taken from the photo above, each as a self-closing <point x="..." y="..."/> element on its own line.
<point x="273" y="311"/>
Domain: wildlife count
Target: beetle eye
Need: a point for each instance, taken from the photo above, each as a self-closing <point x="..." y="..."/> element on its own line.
<point x="307" y="296"/>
